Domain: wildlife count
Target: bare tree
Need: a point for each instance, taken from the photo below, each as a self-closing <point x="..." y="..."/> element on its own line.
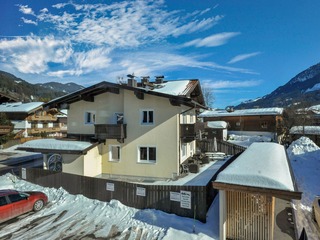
<point x="208" y="96"/>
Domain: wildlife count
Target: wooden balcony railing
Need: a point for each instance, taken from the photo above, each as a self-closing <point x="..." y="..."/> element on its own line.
<point x="42" y="118"/>
<point x="5" y="129"/>
<point x="41" y="130"/>
<point x="111" y="131"/>
<point x="187" y="132"/>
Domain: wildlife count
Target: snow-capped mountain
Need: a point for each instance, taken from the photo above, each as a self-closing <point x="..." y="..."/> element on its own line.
<point x="304" y="87"/>
<point x="21" y="90"/>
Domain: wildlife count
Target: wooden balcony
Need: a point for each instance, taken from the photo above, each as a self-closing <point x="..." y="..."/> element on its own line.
<point x="43" y="130"/>
<point x="5" y="129"/>
<point x="187" y="132"/>
<point x="34" y="118"/>
<point x="111" y="131"/>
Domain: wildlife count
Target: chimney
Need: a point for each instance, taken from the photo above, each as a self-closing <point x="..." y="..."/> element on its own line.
<point x="159" y="79"/>
<point x="145" y="80"/>
<point x="131" y="81"/>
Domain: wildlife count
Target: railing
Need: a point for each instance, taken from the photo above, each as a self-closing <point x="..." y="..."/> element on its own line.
<point x="46" y="130"/>
<point x="187" y="132"/>
<point x="111" y="131"/>
<point x="42" y="118"/>
<point x="219" y="146"/>
<point x="5" y="129"/>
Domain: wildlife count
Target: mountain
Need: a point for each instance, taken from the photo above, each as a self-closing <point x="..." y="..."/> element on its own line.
<point x="21" y="90"/>
<point x="303" y="88"/>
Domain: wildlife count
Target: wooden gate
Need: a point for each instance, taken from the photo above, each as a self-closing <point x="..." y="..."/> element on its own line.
<point x="249" y="216"/>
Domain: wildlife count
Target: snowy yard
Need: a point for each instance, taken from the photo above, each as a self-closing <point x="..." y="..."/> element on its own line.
<point x="76" y="217"/>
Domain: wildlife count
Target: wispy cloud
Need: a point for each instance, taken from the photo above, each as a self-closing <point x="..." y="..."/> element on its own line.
<point x="228" y="84"/>
<point x="242" y="57"/>
<point x="28" y="21"/>
<point x="25" y="9"/>
<point x="213" y="40"/>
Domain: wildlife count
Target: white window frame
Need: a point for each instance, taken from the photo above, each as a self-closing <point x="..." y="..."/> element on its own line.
<point x="148" y="161"/>
<point x="92" y="117"/>
<point x="148" y="120"/>
<point x="111" y="159"/>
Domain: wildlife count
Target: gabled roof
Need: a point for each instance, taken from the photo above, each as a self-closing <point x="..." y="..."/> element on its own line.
<point x="186" y="92"/>
<point x="262" y="167"/>
<point x="243" y="112"/>
<point x="20" y="107"/>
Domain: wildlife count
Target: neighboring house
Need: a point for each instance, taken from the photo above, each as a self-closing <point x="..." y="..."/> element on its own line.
<point x="29" y="119"/>
<point x="260" y="121"/>
<point x="6" y="98"/>
<point x="248" y="191"/>
<point x="143" y="129"/>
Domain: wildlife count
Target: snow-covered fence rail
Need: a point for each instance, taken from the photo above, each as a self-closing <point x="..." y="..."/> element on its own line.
<point x="209" y="145"/>
<point x="186" y="201"/>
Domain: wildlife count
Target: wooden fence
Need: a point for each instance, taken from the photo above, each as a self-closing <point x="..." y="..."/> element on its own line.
<point x="186" y="201"/>
<point x="210" y="145"/>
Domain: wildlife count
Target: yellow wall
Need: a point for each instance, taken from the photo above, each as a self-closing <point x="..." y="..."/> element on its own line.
<point x="72" y="164"/>
<point x="92" y="162"/>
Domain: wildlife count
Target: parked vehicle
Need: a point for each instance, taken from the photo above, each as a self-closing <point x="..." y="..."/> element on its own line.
<point x="15" y="203"/>
<point x="316" y="210"/>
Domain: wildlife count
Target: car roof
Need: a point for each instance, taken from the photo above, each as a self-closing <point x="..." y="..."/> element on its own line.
<point x="5" y="192"/>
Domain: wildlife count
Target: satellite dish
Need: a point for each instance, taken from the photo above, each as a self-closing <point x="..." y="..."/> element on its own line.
<point x="55" y="162"/>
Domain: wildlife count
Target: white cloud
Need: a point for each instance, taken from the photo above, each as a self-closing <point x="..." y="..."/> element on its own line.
<point x="227" y="84"/>
<point x="242" y="57"/>
<point x="213" y="40"/>
<point x="32" y="54"/>
<point x="25" y="9"/>
<point x="28" y="21"/>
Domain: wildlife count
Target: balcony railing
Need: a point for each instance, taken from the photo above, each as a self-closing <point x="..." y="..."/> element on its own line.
<point x="42" y="118"/>
<point x="43" y="130"/>
<point x="111" y="131"/>
<point x="187" y="132"/>
<point x="5" y="129"/>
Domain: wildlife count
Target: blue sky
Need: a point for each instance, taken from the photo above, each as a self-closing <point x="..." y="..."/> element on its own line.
<point x="239" y="49"/>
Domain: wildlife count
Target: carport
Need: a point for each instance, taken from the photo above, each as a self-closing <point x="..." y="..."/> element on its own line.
<point x="248" y="188"/>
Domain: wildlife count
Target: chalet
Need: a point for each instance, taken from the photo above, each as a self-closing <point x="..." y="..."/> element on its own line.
<point x="30" y="119"/>
<point x="136" y="129"/>
<point x="249" y="189"/>
<point x="260" y="121"/>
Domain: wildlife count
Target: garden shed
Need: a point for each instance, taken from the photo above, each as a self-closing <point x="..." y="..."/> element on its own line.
<point x="248" y="188"/>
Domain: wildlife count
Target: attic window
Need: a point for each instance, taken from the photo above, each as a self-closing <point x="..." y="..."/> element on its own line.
<point x="89" y="117"/>
<point x="147" y="117"/>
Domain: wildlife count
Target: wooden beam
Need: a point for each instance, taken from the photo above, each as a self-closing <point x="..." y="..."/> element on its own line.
<point x="283" y="194"/>
<point x="139" y="95"/>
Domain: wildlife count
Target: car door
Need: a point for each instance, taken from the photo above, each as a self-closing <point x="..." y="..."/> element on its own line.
<point x="19" y="204"/>
<point x="5" y="209"/>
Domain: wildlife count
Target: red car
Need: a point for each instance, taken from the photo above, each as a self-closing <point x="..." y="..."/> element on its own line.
<point x="14" y="203"/>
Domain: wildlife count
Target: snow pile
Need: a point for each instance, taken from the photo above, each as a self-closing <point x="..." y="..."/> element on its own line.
<point x="302" y="146"/>
<point x="77" y="217"/>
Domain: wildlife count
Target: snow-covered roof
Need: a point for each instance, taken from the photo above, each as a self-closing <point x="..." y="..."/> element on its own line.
<point x="175" y="88"/>
<point x="262" y="165"/>
<point x="54" y="144"/>
<point x="242" y="112"/>
<point x="217" y="124"/>
<point x="309" y="130"/>
<point x="19" y="106"/>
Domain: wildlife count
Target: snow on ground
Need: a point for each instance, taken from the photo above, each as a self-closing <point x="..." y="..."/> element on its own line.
<point x="304" y="156"/>
<point x="75" y="217"/>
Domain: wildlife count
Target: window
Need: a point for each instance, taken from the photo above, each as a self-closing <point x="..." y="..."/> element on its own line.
<point x="3" y="201"/>
<point x="264" y="125"/>
<point x="147" y="117"/>
<point x="147" y="155"/>
<point x="16" y="197"/>
<point x="89" y="118"/>
<point x="114" y="153"/>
